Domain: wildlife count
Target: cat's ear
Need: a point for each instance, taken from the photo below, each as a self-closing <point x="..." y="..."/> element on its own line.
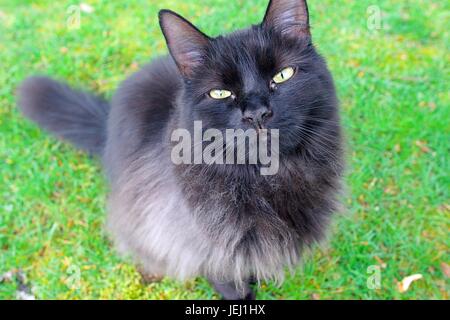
<point x="186" y="43"/>
<point x="290" y="17"/>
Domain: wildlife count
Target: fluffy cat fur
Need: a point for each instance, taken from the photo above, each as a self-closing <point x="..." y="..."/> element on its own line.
<point x="224" y="222"/>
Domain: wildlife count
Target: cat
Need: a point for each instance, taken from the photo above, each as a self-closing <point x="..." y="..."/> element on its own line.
<point x="225" y="222"/>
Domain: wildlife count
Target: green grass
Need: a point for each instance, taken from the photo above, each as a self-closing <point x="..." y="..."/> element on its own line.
<point x="393" y="84"/>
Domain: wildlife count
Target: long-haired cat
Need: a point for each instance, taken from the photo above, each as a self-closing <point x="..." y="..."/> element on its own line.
<point x="226" y="222"/>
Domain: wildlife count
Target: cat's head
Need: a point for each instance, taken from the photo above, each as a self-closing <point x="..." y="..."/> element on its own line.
<point x="267" y="76"/>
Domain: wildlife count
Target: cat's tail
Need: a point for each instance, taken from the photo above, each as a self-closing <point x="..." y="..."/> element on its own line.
<point x="71" y="115"/>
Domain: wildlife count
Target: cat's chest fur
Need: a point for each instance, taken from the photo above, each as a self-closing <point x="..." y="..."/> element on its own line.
<point x="186" y="221"/>
<point x="291" y="206"/>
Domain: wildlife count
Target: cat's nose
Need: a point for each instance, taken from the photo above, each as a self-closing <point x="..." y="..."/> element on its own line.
<point x="258" y="116"/>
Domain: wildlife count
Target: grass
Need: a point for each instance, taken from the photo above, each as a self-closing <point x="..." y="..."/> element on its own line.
<point x="393" y="84"/>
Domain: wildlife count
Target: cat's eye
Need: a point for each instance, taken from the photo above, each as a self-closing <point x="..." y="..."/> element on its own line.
<point x="283" y="75"/>
<point x="220" y="94"/>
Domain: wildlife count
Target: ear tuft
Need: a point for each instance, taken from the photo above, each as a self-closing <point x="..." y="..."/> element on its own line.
<point x="186" y="43"/>
<point x="290" y="17"/>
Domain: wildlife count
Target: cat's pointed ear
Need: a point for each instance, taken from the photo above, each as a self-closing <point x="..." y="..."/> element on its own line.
<point x="290" y="17"/>
<point x="186" y="43"/>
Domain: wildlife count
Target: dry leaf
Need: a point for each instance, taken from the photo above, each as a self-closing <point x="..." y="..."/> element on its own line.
<point x="315" y="296"/>
<point x="404" y="285"/>
<point x="381" y="262"/>
<point x="445" y="207"/>
<point x="423" y="146"/>
<point x="430" y="105"/>
<point x="134" y="66"/>
<point x="445" y="269"/>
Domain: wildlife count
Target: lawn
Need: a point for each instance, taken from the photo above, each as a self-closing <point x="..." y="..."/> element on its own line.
<point x="393" y="84"/>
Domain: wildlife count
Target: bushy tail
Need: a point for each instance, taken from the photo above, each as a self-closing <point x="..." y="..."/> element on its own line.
<point x="71" y="115"/>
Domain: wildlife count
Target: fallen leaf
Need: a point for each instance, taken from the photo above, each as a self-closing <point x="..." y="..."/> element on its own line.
<point x="381" y="262"/>
<point x="134" y="66"/>
<point x="391" y="190"/>
<point x="430" y="105"/>
<point x="445" y="269"/>
<point x="404" y="285"/>
<point x="445" y="207"/>
<point x="422" y="146"/>
<point x="354" y="63"/>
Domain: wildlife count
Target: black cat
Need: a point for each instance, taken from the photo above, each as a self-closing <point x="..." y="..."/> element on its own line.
<point x="226" y="222"/>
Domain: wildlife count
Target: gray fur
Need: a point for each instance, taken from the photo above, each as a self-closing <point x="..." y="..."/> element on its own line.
<point x="69" y="114"/>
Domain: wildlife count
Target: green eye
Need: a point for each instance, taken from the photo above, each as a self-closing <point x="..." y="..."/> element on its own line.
<point x="220" y="94"/>
<point x="283" y="75"/>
